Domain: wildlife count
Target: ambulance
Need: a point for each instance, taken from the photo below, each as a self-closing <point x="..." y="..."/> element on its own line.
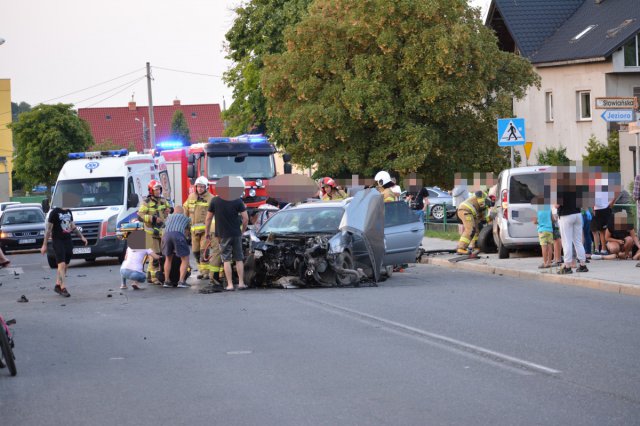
<point x="103" y="190"/>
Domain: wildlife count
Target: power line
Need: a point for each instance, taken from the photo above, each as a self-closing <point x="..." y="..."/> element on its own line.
<point x="110" y="90"/>
<point x="188" y="72"/>
<point x="119" y="91"/>
<point x="91" y="87"/>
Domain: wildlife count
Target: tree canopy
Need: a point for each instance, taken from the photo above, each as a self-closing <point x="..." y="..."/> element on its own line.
<point x="258" y="30"/>
<point x="605" y="156"/>
<point x="180" y="128"/>
<point x="402" y="86"/>
<point x="43" y="137"/>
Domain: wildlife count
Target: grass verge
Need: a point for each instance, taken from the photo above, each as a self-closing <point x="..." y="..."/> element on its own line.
<point x="443" y="235"/>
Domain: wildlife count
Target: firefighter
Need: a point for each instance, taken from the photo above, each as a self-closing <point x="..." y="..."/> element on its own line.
<point x="331" y="191"/>
<point x="152" y="212"/>
<point x="215" y="260"/>
<point x="384" y="182"/>
<point x="195" y="208"/>
<point x="470" y="212"/>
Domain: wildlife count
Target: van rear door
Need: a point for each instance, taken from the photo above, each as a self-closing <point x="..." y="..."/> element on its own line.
<point x="523" y="188"/>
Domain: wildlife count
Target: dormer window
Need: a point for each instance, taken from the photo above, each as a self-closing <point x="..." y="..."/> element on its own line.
<point x="583" y="33"/>
<point x="632" y="52"/>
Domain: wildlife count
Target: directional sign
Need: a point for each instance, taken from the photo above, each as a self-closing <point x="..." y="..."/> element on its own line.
<point x="616" y="103"/>
<point x="618" y="115"/>
<point x="511" y="131"/>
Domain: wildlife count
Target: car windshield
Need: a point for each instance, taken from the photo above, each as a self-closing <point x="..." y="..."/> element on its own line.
<point x="307" y="220"/>
<point x="247" y="166"/>
<point x="17" y="217"/>
<point x="78" y="193"/>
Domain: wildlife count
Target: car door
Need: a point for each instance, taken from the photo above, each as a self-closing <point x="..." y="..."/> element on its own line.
<point x="403" y="233"/>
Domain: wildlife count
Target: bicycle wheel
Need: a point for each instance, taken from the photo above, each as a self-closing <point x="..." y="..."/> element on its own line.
<point x="7" y="353"/>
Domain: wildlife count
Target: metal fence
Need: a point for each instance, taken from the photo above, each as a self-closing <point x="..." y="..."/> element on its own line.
<point x="444" y="225"/>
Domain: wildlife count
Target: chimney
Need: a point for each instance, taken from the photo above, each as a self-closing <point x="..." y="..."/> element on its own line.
<point x="132" y="105"/>
<point x="176" y="102"/>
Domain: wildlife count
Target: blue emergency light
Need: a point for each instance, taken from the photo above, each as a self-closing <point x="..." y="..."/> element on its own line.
<point x="259" y="138"/>
<point x="169" y="144"/>
<point x="98" y="154"/>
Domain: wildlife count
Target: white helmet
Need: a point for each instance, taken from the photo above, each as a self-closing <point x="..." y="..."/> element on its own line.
<point x="382" y="178"/>
<point x="202" y="181"/>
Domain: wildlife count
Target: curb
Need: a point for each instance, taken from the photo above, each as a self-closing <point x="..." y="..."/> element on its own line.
<point x="578" y="281"/>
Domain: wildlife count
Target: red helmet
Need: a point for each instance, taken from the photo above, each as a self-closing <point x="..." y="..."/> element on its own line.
<point x="328" y="181"/>
<point x="154" y="184"/>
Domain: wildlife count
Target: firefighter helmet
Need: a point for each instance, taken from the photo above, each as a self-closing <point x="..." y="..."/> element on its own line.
<point x="202" y="181"/>
<point x="153" y="185"/>
<point x="382" y="178"/>
<point x="481" y="196"/>
<point x="328" y="182"/>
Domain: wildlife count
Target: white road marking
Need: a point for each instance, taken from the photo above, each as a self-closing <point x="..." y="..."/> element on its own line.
<point x="239" y="352"/>
<point x="495" y="357"/>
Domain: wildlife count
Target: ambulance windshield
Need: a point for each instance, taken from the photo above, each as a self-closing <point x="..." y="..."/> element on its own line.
<point x="243" y="165"/>
<point x="81" y="193"/>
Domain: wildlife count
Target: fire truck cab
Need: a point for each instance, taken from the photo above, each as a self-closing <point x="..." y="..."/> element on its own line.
<point x="251" y="157"/>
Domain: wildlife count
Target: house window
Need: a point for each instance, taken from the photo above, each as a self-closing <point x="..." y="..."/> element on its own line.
<point x="194" y="115"/>
<point x="108" y="117"/>
<point x="583" y="101"/>
<point x="632" y="52"/>
<point x="548" y="99"/>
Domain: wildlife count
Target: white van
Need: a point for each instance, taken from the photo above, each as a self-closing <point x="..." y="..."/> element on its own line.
<point x="109" y="185"/>
<point x="513" y="225"/>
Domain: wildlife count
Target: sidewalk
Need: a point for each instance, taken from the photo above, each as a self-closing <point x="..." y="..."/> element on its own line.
<point x="619" y="276"/>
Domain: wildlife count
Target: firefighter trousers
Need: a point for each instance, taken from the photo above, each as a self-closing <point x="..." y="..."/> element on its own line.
<point x="198" y="246"/>
<point x="154" y="265"/>
<point x="470" y="234"/>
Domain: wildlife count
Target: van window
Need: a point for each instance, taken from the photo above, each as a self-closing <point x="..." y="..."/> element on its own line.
<point x="523" y="188"/>
<point x="78" y="193"/>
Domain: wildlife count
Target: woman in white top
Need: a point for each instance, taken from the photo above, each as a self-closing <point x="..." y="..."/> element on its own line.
<point x="133" y="266"/>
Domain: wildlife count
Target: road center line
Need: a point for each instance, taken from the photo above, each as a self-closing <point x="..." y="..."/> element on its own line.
<point x="496" y="357"/>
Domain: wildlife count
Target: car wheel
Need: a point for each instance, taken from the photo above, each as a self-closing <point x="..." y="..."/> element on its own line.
<point x="437" y="212"/>
<point x="52" y="262"/>
<point x="503" y="252"/>
<point x="486" y="243"/>
<point x="344" y="261"/>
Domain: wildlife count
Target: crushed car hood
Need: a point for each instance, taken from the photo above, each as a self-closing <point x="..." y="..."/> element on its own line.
<point x="364" y="215"/>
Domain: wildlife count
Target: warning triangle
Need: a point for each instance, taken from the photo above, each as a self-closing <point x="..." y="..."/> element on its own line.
<point x="511" y="134"/>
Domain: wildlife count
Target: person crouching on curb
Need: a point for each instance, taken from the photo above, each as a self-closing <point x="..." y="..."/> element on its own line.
<point x="133" y="266"/>
<point x="174" y="242"/>
<point x="60" y="226"/>
<point x="621" y="238"/>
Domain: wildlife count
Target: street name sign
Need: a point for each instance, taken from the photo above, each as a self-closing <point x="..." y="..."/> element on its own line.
<point x="511" y="132"/>
<point x="618" y="115"/>
<point x="616" y="103"/>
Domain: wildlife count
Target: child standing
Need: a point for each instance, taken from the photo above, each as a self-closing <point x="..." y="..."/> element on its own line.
<point x="545" y="235"/>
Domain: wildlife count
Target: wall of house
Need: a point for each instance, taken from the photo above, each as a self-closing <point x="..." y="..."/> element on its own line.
<point x="622" y="85"/>
<point x="565" y="129"/>
<point x="6" y="140"/>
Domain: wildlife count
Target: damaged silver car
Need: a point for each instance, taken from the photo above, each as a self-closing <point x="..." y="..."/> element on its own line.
<point x="334" y="243"/>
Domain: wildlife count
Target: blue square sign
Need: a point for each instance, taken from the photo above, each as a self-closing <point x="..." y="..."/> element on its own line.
<point x="511" y="132"/>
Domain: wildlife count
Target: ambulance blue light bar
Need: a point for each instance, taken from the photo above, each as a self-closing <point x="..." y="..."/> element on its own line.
<point x="98" y="154"/>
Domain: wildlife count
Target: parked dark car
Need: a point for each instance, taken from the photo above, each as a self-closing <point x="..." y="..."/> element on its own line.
<point x="439" y="200"/>
<point x="22" y="228"/>
<point x="335" y="243"/>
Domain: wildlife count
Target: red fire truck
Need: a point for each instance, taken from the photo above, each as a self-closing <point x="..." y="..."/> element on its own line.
<point x="251" y="157"/>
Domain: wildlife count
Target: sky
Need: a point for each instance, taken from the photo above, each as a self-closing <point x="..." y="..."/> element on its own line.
<point x="93" y="54"/>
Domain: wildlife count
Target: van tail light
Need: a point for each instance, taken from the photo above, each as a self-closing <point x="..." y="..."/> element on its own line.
<point x="505" y="204"/>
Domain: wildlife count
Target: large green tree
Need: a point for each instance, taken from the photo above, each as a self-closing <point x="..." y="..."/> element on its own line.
<point x="256" y="31"/>
<point x="43" y="137"/>
<point x="17" y="109"/>
<point x="405" y="86"/>
<point x="180" y="128"/>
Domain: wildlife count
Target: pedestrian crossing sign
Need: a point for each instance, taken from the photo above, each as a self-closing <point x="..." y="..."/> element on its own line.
<point x="511" y="131"/>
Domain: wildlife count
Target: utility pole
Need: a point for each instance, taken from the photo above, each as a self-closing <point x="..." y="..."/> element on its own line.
<point x="152" y="122"/>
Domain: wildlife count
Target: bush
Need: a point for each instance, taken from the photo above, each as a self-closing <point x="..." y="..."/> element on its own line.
<point x="553" y="156"/>
<point x="606" y="156"/>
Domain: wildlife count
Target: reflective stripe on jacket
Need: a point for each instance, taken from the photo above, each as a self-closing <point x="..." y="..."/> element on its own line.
<point x="196" y="208"/>
<point x="153" y="207"/>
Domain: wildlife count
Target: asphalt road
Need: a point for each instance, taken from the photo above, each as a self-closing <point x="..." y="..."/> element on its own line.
<point x="430" y="346"/>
